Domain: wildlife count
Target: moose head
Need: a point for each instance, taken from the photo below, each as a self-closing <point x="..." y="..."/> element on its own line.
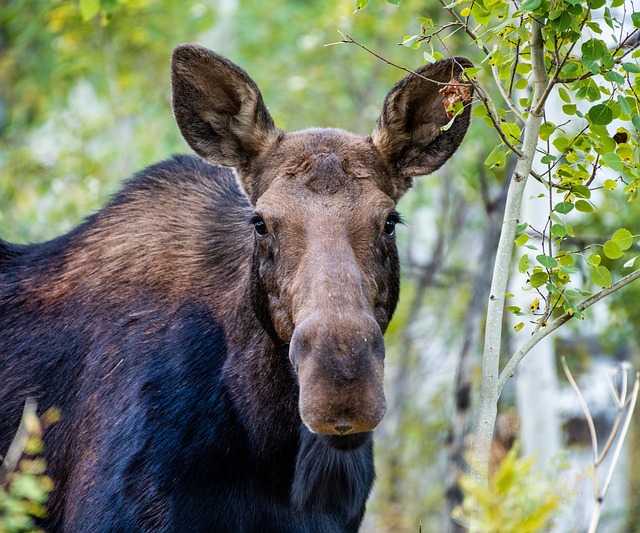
<point x="325" y="271"/>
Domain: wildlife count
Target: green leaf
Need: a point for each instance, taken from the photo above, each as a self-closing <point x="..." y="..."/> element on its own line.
<point x="547" y="261"/>
<point x="546" y="129"/>
<point x="631" y="67"/>
<point x="524" y="264"/>
<point x="522" y="240"/>
<point x="538" y="279"/>
<point x="601" y="276"/>
<point x="583" y="206"/>
<point x="558" y="230"/>
<point x="614" y="76"/>
<point x="635" y="18"/>
<point x="511" y="130"/>
<point x="594" y="259"/>
<point x="565" y="259"/>
<point x="593" y="49"/>
<point x="613" y="161"/>
<point x="581" y="191"/>
<point x="518" y="326"/>
<point x="90" y="8"/>
<point x="497" y="158"/>
<point x="563" y="207"/>
<point x="636" y="121"/>
<point x="411" y="41"/>
<point x="562" y="92"/>
<point x="428" y="57"/>
<point x="631" y="262"/>
<point x="394" y="2"/>
<point x="612" y="250"/>
<point x="563" y="22"/>
<point x="560" y="143"/>
<point x="624" y="105"/>
<point x="531" y="5"/>
<point x="600" y="114"/>
<point x="589" y="90"/>
<point x="610" y="184"/>
<point x="623" y="238"/>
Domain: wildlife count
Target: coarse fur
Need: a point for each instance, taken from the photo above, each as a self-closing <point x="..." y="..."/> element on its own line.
<point x="213" y="337"/>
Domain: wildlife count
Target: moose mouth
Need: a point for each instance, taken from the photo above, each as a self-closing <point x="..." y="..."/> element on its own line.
<point x="346" y="443"/>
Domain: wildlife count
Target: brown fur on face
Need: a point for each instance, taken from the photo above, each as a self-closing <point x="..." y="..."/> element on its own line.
<point x="330" y="273"/>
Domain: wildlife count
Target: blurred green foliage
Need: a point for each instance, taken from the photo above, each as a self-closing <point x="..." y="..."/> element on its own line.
<point x="516" y="499"/>
<point x="24" y="485"/>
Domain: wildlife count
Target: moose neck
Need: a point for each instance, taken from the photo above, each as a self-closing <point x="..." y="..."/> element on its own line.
<point x="260" y="377"/>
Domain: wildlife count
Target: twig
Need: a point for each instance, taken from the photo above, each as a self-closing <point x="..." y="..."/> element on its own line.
<point x="16" y="449"/>
<point x="492" y="114"/>
<point x="621" y="400"/>
<point x="349" y="40"/>
<point x="494" y="69"/>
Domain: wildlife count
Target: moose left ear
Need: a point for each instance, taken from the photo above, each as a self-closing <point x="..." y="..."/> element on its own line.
<point x="409" y="132"/>
<point x="219" y="109"/>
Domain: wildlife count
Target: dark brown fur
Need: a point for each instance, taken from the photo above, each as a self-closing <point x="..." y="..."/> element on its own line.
<point x="213" y="375"/>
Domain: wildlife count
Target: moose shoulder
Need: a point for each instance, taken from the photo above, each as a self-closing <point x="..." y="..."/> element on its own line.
<point x="213" y="338"/>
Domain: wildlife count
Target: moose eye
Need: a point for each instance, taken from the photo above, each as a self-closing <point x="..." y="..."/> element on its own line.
<point x="390" y="224"/>
<point x="259" y="225"/>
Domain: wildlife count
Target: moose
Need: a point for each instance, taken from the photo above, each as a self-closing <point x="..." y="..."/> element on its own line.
<point x="213" y="337"/>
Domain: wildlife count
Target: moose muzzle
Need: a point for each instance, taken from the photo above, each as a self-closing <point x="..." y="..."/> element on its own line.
<point x="340" y="366"/>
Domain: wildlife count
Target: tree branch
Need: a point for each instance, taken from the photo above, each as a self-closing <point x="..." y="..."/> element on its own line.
<point x="511" y="366"/>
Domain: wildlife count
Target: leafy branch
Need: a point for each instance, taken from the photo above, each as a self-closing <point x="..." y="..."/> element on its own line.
<point x="510" y="368"/>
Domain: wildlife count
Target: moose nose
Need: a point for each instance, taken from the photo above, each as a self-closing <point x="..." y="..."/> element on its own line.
<point x="340" y="368"/>
<point x="343" y="428"/>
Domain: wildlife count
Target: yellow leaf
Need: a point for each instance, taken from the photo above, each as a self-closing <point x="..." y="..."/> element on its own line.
<point x="535" y="305"/>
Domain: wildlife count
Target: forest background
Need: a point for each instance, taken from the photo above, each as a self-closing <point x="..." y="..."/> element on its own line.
<point x="85" y="103"/>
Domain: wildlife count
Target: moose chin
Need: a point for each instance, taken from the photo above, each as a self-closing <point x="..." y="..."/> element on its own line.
<point x="213" y="337"/>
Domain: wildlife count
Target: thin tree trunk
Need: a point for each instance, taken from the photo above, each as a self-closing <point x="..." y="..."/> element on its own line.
<point x="462" y="423"/>
<point x="489" y="388"/>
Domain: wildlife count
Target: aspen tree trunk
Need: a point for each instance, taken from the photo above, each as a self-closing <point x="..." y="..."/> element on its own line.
<point x="489" y="392"/>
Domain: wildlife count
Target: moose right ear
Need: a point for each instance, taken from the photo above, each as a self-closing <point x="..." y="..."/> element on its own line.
<point x="219" y="108"/>
<point x="409" y="133"/>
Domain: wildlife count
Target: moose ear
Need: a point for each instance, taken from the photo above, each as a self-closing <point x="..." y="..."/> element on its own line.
<point x="219" y="108"/>
<point x="410" y="133"/>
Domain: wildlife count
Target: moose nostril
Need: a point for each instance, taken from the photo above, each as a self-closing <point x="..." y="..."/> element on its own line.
<point x="342" y="428"/>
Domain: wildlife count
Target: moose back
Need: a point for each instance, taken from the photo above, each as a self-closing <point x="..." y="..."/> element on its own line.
<point x="213" y="337"/>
